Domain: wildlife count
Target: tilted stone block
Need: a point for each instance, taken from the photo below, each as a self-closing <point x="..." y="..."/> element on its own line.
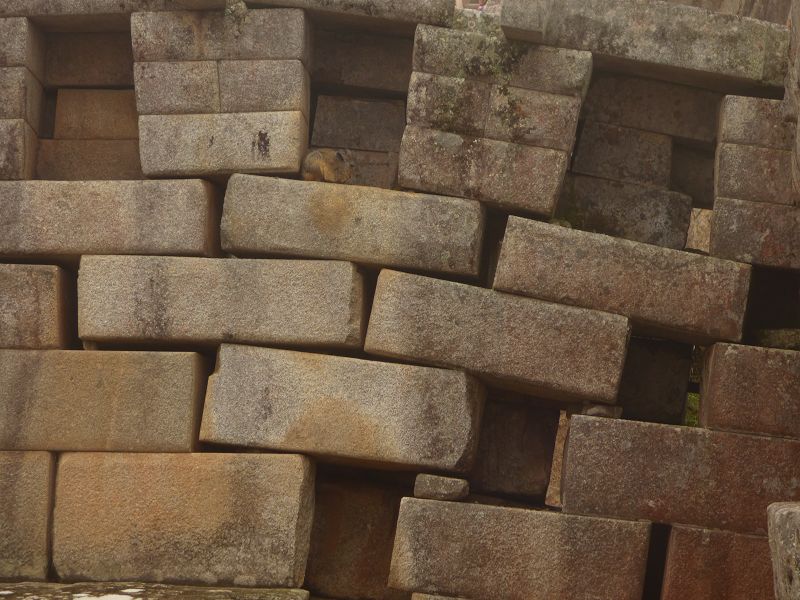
<point x="208" y="301"/>
<point x="755" y="122"/>
<point x="784" y="525"/>
<point x="97" y="401"/>
<point x="18" y="149"/>
<point x="271" y="216"/>
<point x="515" y="553"/>
<point x="88" y="160"/>
<point x="437" y="487"/>
<point x="181" y="87"/>
<point x="96" y="114"/>
<point x="698" y="238"/>
<point x="21" y="95"/>
<point x="668" y="474"/>
<point x="22" y="45"/>
<point x="151" y="591"/>
<point x="33" y="306"/>
<point x="263" y="86"/>
<point x="636" y="280"/>
<point x="455" y="325"/>
<point x="754" y="173"/>
<point x="343" y="409"/>
<point x="360" y="124"/>
<point x="88" y="60"/>
<point x="212" y="519"/>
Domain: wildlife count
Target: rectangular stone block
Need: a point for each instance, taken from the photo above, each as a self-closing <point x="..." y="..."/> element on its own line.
<point x="67" y="591"/>
<point x="754" y="173"/>
<point x="698" y="239"/>
<point x="757" y="233"/>
<point x="212" y="519"/>
<point x="271" y="216"/>
<point x="100" y="401"/>
<point x="755" y="122"/>
<point x="438" y="487"/>
<point x="18" y="149"/>
<point x="26" y="486"/>
<point x="33" y="307"/>
<point x="263" y="86"/>
<point x="107" y="217"/>
<point x="88" y="160"/>
<point x="206" y="145"/>
<point x="450" y="324"/>
<point x="22" y="45"/>
<point x="360" y="124"/>
<point x="557" y="264"/>
<point x="155" y="299"/>
<point x="343" y="409"/>
<point x="183" y="87"/>
<point x="706" y="564"/>
<point x="515" y="553"/>
<point x="784" y="523"/>
<point x="668" y="474"/>
<point x="93" y="60"/>
<point x="693" y="173"/>
<point x="96" y="114"/>
<point x="21" y="96"/>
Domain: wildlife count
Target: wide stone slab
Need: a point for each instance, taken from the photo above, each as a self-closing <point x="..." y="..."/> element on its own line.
<point x="154" y="299"/>
<point x="450" y="324"/>
<point x="636" y="280"/>
<point x="514" y="553"/>
<point x="271" y="216"/>
<point x="134" y="590"/>
<point x="213" y="519"/>
<point x="107" y="217"/>
<point x="784" y="524"/>
<point x="343" y="409"/>
<point x="100" y="401"/>
<point x="33" y="306"/>
<point x="667" y="474"/>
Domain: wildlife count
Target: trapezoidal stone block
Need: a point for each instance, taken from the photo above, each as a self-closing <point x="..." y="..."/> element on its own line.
<point x="784" y="525"/>
<point x="111" y="401"/>
<point x="34" y="306"/>
<point x="343" y="409"/>
<point x="88" y="59"/>
<point x="18" y="149"/>
<point x="668" y="474"/>
<point x="698" y="238"/>
<point x="515" y="554"/>
<point x="450" y="324"/>
<point x="96" y="115"/>
<point x="213" y="519"/>
<point x="151" y="591"/>
<point x="754" y="173"/>
<point x="156" y="299"/>
<point x="271" y="216"/>
<point x="636" y="280"/>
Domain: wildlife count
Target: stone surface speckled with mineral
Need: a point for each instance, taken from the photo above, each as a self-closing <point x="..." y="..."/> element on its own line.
<point x="21" y="96"/>
<point x="784" y="541"/>
<point x="33" y="306"/>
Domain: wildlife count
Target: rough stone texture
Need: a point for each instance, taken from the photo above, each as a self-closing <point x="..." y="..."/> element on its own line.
<point x="699" y="236"/>
<point x="18" y="148"/>
<point x="21" y="96"/>
<point x="137" y="590"/>
<point x="436" y="487"/>
<point x="187" y="87"/>
<point x="93" y="60"/>
<point x="625" y="210"/>
<point x="455" y="325"/>
<point x="33" y="307"/>
<point x="668" y="474"/>
<point x="515" y="553"/>
<point x="22" y="45"/>
<point x="63" y="9"/>
<point x="755" y="122"/>
<point x="784" y="525"/>
<point x="161" y="299"/>
<point x="705" y="564"/>
<point x="645" y="283"/>
<point x="264" y="86"/>
<point x="360" y="124"/>
<point x="693" y="173"/>
<point x="374" y="169"/>
<point x="99" y="401"/>
<point x="88" y="160"/>
<point x="105" y="217"/>
<point x="215" y="519"/>
<point x="757" y="233"/>
<point x="201" y="145"/>
<point x="751" y="389"/>
<point x="271" y="216"/>
<point x="96" y="114"/>
<point x="26" y="480"/>
<point x="754" y="173"/>
<point x="786" y="339"/>
<point x="343" y="409"/>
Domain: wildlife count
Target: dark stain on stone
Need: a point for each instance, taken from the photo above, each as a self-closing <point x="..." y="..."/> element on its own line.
<point x="261" y="144"/>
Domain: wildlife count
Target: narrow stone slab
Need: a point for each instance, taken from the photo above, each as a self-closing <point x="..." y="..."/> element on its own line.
<point x="437" y="487"/>
<point x="360" y="124"/>
<point x="33" y="306"/>
<point x="784" y="523"/>
<point x="26" y="485"/>
<point x="271" y="216"/>
<point x="515" y="553"/>
<point x="21" y="96"/>
<point x="107" y="217"/>
<point x="755" y="122"/>
<point x="628" y="278"/>
<point x="88" y="160"/>
<point x="22" y="45"/>
<point x="151" y="591"/>
<point x="96" y="114"/>
<point x="94" y="60"/>
<point x="455" y="325"/>
<point x="152" y="518"/>
<point x="698" y="238"/>
<point x="437" y="428"/>
<point x="18" y="148"/>
<point x="112" y="401"/>
<point x="264" y="86"/>
<point x="180" y="87"/>
<point x="710" y="479"/>
<point x="754" y="173"/>
<point x="160" y="299"/>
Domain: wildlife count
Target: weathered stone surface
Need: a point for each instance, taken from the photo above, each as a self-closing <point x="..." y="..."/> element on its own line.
<point x="187" y="87"/>
<point x="33" y="307"/>
<point x="99" y="401"/>
<point x="107" y="217"/>
<point x="669" y="474"/>
<point x="242" y="519"/>
<point x="786" y="339"/>
<point x="495" y="172"/>
<point x="754" y="173"/>
<point x="755" y="122"/>
<point x="134" y="590"/>
<point x="21" y="96"/>
<point x="22" y="45"/>
<point x="373" y="169"/>
<point x="62" y="9"/>
<point x="757" y="233"/>
<point x="343" y="409"/>
<point x="360" y="124"/>
<point x="699" y="237"/>
<point x="693" y="173"/>
<point x="96" y="114"/>
<point x="636" y="280"/>
<point x="264" y="86"/>
<point x="271" y="216"/>
<point x="625" y="210"/>
<point x="163" y="299"/>
<point x="26" y="480"/>
<point x="784" y="524"/>
<point x="515" y="553"/>
<point x="88" y="160"/>
<point x="198" y="145"/>
<point x="436" y="487"/>
<point x="705" y="564"/>
<point x="18" y="149"/>
<point x="455" y="325"/>
<point x="88" y="60"/>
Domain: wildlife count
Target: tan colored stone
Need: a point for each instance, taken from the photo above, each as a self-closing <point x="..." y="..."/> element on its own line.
<point x="263" y="86"/>
<point x="699" y="236"/>
<point x="437" y="487"/>
<point x="151" y="591"/>
<point x="96" y="114"/>
<point x="21" y="96"/>
<point x="33" y="307"/>
<point x="360" y="124"/>
<point x="181" y="87"/>
<point x="93" y="60"/>
<point x="21" y="45"/>
<point x="18" y="149"/>
<point x="88" y="160"/>
<point x="755" y="122"/>
<point x="784" y="524"/>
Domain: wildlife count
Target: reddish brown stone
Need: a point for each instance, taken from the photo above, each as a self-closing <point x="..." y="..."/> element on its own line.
<point x="753" y="173"/>
<point x="756" y="122"/>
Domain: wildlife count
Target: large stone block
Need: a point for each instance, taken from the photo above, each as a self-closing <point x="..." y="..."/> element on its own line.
<point x="455" y="325"/>
<point x="212" y="519"/>
<point x="755" y="122"/>
<point x="26" y="486"/>
<point x="100" y="401"/>
<point x="93" y="60"/>
<point x="515" y="554"/>
<point x="208" y="301"/>
<point x="668" y="474"/>
<point x="636" y="280"/>
<point x="180" y="87"/>
<point x="96" y="114"/>
<point x="343" y="409"/>
<point x="88" y="160"/>
<point x="105" y="217"/>
<point x="21" y="96"/>
<point x="33" y="307"/>
<point x="271" y="216"/>
<point x="264" y="86"/>
<point x="359" y="124"/>
<point x="18" y="149"/>
<point x="151" y="591"/>
<point x="22" y="45"/>
<point x="784" y="526"/>
<point x="754" y="173"/>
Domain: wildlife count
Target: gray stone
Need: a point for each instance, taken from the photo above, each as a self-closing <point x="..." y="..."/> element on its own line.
<point x="360" y="124"/>
<point x="151" y="591"/>
<point x="784" y="541"/>
<point x="754" y="173"/>
<point x="21" y="96"/>
<point x="88" y="160"/>
<point x="22" y="45"/>
<point x="437" y="487"/>
<point x="33" y="306"/>
<point x="93" y="60"/>
<point x="18" y="149"/>
<point x="263" y="86"/>
<point x="96" y="114"/>
<point x="755" y="122"/>
<point x="187" y="87"/>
